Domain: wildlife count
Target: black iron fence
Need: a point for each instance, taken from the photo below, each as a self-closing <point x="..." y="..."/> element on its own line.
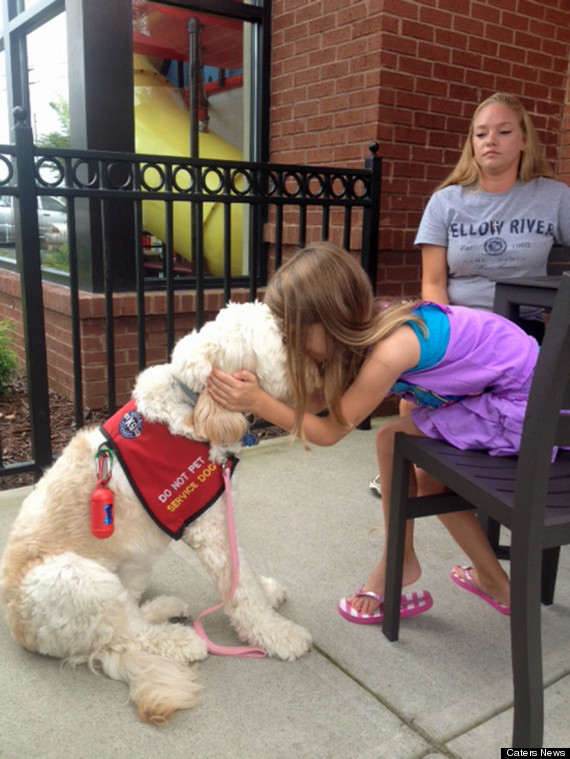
<point x="111" y="200"/>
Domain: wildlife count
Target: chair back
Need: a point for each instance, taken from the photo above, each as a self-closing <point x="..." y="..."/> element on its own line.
<point x="546" y="425"/>
<point x="558" y="260"/>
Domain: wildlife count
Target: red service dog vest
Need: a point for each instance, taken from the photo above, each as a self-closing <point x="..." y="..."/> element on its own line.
<point x="171" y="475"/>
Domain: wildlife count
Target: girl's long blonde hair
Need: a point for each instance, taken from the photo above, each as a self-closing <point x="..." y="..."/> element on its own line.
<point x="533" y="162"/>
<point x="323" y="284"/>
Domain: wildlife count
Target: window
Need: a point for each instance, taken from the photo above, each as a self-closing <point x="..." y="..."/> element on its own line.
<point x="4" y="120"/>
<point x="47" y="79"/>
<point x="230" y="118"/>
<point x="162" y="43"/>
<point x="215" y="116"/>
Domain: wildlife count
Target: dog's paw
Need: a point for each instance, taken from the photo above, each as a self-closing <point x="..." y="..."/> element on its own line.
<point x="183" y="644"/>
<point x="274" y="591"/>
<point x="164" y="608"/>
<point x="284" y="639"/>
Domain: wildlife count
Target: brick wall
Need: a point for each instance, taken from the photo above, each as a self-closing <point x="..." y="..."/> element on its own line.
<point x="564" y="162"/>
<point x="409" y="73"/>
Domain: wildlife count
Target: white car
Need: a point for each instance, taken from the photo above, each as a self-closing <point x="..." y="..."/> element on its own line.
<point x="52" y="220"/>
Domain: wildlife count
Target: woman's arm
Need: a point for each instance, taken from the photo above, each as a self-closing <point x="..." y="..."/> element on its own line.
<point x="434" y="273"/>
<point x="387" y="360"/>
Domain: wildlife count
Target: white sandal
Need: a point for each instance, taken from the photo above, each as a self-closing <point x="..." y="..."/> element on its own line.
<point x="375" y="486"/>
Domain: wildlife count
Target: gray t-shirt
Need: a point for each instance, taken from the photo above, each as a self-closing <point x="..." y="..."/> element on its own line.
<point x="492" y="236"/>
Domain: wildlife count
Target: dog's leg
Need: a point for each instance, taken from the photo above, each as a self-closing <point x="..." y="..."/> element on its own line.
<point x="274" y="591"/>
<point x="250" y="611"/>
<point x="73" y="606"/>
<point x="75" y="609"/>
<point x="174" y="642"/>
<point x="165" y="609"/>
<point x="135" y="577"/>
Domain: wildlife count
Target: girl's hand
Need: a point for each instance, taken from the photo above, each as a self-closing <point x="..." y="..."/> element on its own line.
<point x="235" y="392"/>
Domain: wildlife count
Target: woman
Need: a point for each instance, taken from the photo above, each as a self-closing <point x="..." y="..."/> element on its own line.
<point x="497" y="214"/>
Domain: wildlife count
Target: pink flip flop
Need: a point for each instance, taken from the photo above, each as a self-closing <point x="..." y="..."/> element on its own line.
<point x="468" y="583"/>
<point x="410" y="605"/>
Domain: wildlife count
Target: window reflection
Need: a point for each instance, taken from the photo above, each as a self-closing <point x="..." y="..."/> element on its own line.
<point x="165" y="114"/>
<point x="47" y="77"/>
<point x="161" y="44"/>
<point x="4" y="120"/>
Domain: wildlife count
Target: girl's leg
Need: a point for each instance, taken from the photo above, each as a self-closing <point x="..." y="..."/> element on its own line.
<point x="463" y="527"/>
<point x="412" y="569"/>
<point x="488" y="574"/>
<point x="404" y="409"/>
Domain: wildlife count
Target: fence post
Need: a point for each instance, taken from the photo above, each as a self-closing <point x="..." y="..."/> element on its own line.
<point x="371" y="215"/>
<point x="29" y="267"/>
<point x="371" y="229"/>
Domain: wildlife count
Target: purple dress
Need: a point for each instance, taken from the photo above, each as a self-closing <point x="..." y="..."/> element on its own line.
<point x="488" y="363"/>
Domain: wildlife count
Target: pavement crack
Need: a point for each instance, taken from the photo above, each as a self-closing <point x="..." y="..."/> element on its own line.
<point x="433" y="743"/>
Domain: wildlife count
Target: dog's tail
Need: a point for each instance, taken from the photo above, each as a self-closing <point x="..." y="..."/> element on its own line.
<point x="158" y="687"/>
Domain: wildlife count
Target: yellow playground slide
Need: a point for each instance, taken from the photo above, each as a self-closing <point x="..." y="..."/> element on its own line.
<point x="162" y="128"/>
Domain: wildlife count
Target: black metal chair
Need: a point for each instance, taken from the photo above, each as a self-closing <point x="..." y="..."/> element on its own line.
<point x="528" y="494"/>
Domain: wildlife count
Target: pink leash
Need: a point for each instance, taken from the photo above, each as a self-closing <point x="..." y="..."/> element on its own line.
<point x="248" y="651"/>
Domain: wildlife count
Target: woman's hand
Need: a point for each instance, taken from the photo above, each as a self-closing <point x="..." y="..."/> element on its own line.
<point x="235" y="392"/>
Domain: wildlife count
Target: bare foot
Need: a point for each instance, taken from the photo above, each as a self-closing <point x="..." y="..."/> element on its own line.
<point x="375" y="583"/>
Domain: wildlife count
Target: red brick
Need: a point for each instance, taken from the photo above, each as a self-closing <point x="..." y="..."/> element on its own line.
<point x="451" y="39"/>
<point x="399" y="44"/>
<point x="469" y="24"/>
<point x="418" y="31"/>
<point x="434" y="53"/>
<point x="448" y="73"/>
<point x="403" y="9"/>
<point x="435" y="17"/>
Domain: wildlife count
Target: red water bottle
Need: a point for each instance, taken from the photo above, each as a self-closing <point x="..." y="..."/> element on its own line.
<point x="102" y="514"/>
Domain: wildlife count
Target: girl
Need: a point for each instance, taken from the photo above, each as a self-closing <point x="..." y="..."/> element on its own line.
<point x="468" y="372"/>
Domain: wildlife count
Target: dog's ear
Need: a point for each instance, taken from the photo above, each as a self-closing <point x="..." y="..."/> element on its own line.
<point x="195" y="354"/>
<point x="215" y="424"/>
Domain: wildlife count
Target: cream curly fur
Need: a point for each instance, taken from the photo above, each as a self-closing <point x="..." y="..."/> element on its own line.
<point x="75" y="597"/>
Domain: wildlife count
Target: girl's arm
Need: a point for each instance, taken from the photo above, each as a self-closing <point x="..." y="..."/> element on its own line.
<point x="387" y="361"/>
<point x="434" y="273"/>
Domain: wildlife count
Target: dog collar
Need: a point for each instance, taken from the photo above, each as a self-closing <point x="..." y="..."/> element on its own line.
<point x="248" y="440"/>
<point x="186" y="390"/>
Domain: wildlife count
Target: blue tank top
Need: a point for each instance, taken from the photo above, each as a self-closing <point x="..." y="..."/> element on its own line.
<point x="433" y="344"/>
<point x="432" y="349"/>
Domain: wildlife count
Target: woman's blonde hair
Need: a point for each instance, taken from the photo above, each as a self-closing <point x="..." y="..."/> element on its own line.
<point x="323" y="284"/>
<point x="533" y="162"/>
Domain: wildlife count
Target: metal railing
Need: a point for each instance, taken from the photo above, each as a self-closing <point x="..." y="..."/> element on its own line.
<point x="105" y="194"/>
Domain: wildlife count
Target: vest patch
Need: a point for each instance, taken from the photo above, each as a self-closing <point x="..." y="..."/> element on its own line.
<point x="171" y="475"/>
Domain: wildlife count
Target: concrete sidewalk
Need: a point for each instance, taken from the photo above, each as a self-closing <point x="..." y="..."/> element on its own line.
<point x="307" y="518"/>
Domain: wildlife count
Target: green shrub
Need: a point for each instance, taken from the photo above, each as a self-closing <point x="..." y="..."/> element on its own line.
<point x="8" y="359"/>
<point x="57" y="259"/>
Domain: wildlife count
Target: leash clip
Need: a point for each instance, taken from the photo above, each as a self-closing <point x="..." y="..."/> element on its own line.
<point x="104" y="464"/>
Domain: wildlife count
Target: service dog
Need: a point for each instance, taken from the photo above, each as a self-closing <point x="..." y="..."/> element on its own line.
<point x="73" y="595"/>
